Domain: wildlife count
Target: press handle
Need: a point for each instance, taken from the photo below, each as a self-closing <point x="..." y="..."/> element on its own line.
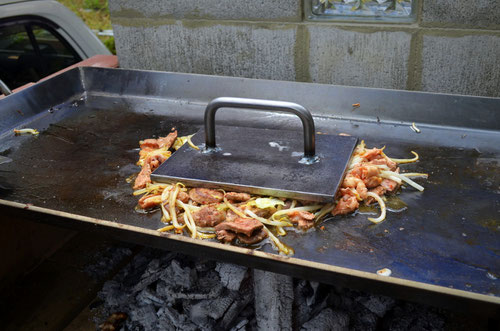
<point x="258" y="104"/>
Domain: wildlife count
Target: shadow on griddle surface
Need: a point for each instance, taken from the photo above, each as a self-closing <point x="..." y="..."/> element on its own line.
<point x="447" y="235"/>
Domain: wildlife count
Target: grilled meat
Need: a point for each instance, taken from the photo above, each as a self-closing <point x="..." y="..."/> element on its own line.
<point x="205" y="196"/>
<point x="237" y="197"/>
<point x="208" y="216"/>
<point x="246" y="226"/>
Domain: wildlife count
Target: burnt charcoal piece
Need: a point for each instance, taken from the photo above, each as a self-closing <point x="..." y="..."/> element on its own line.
<point x="409" y="316"/>
<point x="309" y="299"/>
<point x="240" y="309"/>
<point x="273" y="300"/>
<point x="327" y="320"/>
<point x="377" y="304"/>
<point x="144" y="316"/>
<point x="231" y="275"/>
<point x="205" y="312"/>
<point x="170" y="319"/>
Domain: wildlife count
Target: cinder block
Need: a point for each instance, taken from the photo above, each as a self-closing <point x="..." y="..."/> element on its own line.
<point x="278" y="10"/>
<point x="462" y="65"/>
<point x="248" y="50"/>
<point x="354" y="58"/>
<point x="461" y="13"/>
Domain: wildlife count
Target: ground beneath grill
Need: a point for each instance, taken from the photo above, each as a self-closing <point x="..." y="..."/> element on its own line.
<point x="91" y="277"/>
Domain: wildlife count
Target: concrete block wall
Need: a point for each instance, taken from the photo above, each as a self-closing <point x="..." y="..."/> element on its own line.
<point x="453" y="47"/>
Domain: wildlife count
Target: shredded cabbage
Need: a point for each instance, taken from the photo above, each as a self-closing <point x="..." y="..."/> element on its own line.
<point x="264" y="203"/>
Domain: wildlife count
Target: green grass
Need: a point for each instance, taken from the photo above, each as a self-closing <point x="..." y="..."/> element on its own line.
<point x="95" y="14"/>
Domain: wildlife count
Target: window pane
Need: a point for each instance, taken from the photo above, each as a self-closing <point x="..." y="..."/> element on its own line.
<point x="55" y="54"/>
<point x="18" y="61"/>
<point x="386" y="10"/>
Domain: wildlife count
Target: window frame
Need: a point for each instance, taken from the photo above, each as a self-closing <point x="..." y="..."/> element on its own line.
<point x="29" y="21"/>
<point x="312" y="17"/>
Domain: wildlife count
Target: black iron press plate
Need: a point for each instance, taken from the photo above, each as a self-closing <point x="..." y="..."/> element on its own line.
<point x="262" y="161"/>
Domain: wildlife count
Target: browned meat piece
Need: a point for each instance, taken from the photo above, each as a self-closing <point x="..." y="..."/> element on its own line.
<point x="303" y="219"/>
<point x="183" y="196"/>
<point x="149" y="201"/>
<point x="369" y="171"/>
<point x="372" y="182"/>
<point x="154" y="161"/>
<point x="238" y="197"/>
<point x="168" y="140"/>
<point x="373" y="153"/>
<point x="264" y="213"/>
<point x="362" y="190"/>
<point x="247" y="226"/>
<point x="385" y="161"/>
<point x="288" y="204"/>
<point x="226" y="236"/>
<point x="205" y="196"/>
<point x="144" y="152"/>
<point x="150" y="144"/>
<point x="350" y="181"/>
<point x="143" y="178"/>
<point x="346" y="204"/>
<point x="231" y="215"/>
<point x="255" y="238"/>
<point x="389" y="185"/>
<point x="379" y="190"/>
<point x="208" y="216"/>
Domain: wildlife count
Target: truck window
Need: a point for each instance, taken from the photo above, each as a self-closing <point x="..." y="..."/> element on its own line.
<point x="30" y="51"/>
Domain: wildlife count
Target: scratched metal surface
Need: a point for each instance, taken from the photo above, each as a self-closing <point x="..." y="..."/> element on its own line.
<point x="447" y="235"/>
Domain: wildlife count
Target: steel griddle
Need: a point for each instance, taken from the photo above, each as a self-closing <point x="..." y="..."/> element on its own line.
<point x="442" y="245"/>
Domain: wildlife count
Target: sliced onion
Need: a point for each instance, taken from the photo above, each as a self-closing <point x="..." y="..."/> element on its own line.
<point x="191" y="143"/>
<point x="403" y="178"/>
<point x="205" y="229"/>
<point x="266" y="221"/>
<point x="287" y="211"/>
<point x="323" y="211"/>
<point x="166" y="228"/>
<point x="173" y="214"/>
<point x="280" y="231"/>
<point x="188" y="218"/>
<point x="415" y="159"/>
<point x="415" y="174"/>
<point x="234" y="209"/>
<point x="282" y="248"/>
<point x="382" y="208"/>
<point x="206" y="235"/>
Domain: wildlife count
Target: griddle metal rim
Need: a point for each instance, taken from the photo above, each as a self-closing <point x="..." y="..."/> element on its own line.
<point x="248" y="251"/>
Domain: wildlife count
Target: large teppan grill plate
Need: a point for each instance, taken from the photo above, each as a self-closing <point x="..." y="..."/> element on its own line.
<point x="442" y="248"/>
<point x="261" y="161"/>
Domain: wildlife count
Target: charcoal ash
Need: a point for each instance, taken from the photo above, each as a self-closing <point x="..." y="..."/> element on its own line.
<point x="309" y="299"/>
<point x="273" y="300"/>
<point x="231" y="275"/>
<point x="414" y="317"/>
<point x="161" y="290"/>
<point x="328" y="320"/>
<point x="106" y="260"/>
